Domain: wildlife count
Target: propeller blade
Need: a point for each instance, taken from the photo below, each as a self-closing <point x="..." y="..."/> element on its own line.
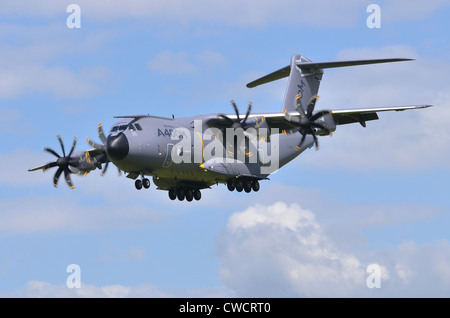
<point x="73" y="146"/>
<point x="67" y="177"/>
<point x="44" y="167"/>
<point x="56" y="177"/>
<point x="105" y="168"/>
<point x="62" y="145"/>
<point x="311" y="105"/>
<point x="101" y="135"/>
<point x="230" y="121"/>
<point x="49" y="165"/>
<point x="94" y="144"/>
<point x="298" y="106"/>
<point x="302" y="141"/>
<point x="52" y="152"/>
<point x="315" y="140"/>
<point x="250" y="104"/>
<point x="236" y="110"/>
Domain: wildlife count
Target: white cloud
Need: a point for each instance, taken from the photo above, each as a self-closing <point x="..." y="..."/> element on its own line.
<point x="281" y="250"/>
<point x="42" y="289"/>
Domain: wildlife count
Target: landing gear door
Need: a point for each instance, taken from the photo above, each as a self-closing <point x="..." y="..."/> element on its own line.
<point x="168" y="160"/>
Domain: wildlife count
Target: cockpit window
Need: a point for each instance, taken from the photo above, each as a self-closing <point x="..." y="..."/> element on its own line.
<point x="138" y="127"/>
<point x="123" y="127"/>
<point x="131" y="127"/>
<point x="115" y="128"/>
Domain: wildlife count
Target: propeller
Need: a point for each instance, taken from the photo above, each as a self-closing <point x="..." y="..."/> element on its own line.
<point x="101" y="147"/>
<point x="238" y="122"/>
<point x="306" y="124"/>
<point x="63" y="163"/>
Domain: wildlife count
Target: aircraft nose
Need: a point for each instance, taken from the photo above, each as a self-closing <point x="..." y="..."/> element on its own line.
<point x="117" y="147"/>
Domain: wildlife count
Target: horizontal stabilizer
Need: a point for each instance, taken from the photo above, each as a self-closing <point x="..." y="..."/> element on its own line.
<point x="286" y="71"/>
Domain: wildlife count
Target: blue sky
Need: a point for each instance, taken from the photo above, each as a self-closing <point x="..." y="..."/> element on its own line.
<point x="375" y="195"/>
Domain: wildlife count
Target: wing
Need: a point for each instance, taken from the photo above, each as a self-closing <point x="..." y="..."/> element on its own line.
<point x="348" y="116"/>
<point x="340" y="117"/>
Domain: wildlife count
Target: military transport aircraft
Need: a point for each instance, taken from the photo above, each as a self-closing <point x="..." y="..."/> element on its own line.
<point x="186" y="155"/>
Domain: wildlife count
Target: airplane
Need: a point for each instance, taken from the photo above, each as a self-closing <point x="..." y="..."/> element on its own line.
<point x="186" y="155"/>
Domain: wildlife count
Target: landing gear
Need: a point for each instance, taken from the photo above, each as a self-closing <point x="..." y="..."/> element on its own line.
<point x="197" y="194"/>
<point x="239" y="185"/>
<point x="188" y="194"/>
<point x="180" y="194"/>
<point x="142" y="183"/>
<point x="172" y="194"/>
<point x="138" y="184"/>
<point x="255" y="185"/>
<point x="245" y="184"/>
<point x="231" y="185"/>
<point x="146" y="183"/>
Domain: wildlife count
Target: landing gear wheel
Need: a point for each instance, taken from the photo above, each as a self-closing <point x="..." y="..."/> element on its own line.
<point x="247" y="186"/>
<point x="189" y="195"/>
<point x="197" y="195"/>
<point x="231" y="185"/>
<point x="146" y="183"/>
<point x="138" y="184"/>
<point x="255" y="185"/>
<point x="180" y="194"/>
<point x="239" y="185"/>
<point x="172" y="194"/>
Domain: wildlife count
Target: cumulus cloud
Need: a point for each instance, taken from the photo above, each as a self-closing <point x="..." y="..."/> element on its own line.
<point x="282" y="250"/>
<point x="42" y="289"/>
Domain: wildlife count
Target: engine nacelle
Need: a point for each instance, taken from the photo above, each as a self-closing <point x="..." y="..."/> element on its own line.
<point x="327" y="121"/>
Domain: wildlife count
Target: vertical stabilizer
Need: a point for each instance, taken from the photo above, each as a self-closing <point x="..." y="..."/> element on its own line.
<point x="302" y="80"/>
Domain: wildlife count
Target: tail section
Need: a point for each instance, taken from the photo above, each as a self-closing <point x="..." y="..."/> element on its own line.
<point x="305" y="77"/>
<point x="303" y="82"/>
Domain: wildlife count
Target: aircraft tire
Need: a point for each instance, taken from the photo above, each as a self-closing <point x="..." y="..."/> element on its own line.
<point x="180" y="194"/>
<point x="197" y="195"/>
<point x="189" y="195"/>
<point x="255" y="185"/>
<point x="172" y="194"/>
<point x="138" y="184"/>
<point x="247" y="186"/>
<point x="239" y="185"/>
<point x="146" y="183"/>
<point x="231" y="185"/>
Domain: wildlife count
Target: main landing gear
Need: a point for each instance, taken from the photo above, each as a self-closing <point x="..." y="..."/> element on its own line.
<point x="245" y="184"/>
<point x="182" y="193"/>
<point x="142" y="183"/>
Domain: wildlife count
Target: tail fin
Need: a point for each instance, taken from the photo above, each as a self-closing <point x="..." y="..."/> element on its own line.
<point x="305" y="77"/>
